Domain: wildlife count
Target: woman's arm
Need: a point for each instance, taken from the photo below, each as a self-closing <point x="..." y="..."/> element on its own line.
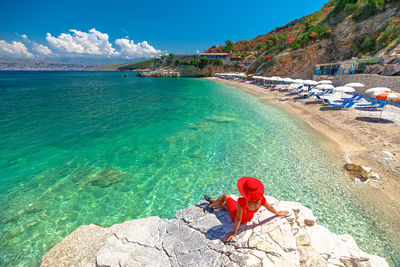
<point x="274" y="211"/>
<point x="238" y="219"/>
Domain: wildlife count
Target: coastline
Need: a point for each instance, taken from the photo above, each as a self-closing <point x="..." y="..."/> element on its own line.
<point x="360" y="142"/>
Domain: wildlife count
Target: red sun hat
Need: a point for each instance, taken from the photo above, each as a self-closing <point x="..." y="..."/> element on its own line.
<point x="250" y="188"/>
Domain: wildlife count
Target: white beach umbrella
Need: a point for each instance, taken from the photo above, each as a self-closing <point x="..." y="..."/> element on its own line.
<point x="344" y="89"/>
<point x="377" y="90"/>
<point x="325" y="86"/>
<point x="310" y="82"/>
<point x="299" y="81"/>
<point x="325" y="82"/>
<point x="355" y="85"/>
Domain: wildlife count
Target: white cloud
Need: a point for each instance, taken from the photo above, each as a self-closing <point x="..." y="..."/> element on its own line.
<point x="82" y="43"/>
<point x="14" y="50"/>
<point x="42" y="50"/>
<point x="93" y="45"/>
<point x="128" y="49"/>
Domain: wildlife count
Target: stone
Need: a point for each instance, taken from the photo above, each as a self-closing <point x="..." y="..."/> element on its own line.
<point x="375" y="176"/>
<point x="196" y="238"/>
<point x="388" y="153"/>
<point x="358" y="171"/>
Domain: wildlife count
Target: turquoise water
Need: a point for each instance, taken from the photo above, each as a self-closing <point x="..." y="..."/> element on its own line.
<point x="93" y="147"/>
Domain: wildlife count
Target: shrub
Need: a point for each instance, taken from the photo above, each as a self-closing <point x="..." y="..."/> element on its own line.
<point x="203" y="62"/>
<point x="217" y="62"/>
<point x="351" y="8"/>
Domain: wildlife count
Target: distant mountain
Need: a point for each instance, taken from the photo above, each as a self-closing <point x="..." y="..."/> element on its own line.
<point x="137" y="64"/>
<point x="33" y="64"/>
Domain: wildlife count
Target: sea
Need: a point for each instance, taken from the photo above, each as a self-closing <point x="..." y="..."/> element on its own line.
<point x="96" y="147"/>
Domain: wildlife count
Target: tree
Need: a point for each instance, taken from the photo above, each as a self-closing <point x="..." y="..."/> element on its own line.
<point x="203" y="62"/>
<point x="228" y="46"/>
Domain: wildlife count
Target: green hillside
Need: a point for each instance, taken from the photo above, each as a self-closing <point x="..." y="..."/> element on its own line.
<point x="318" y="25"/>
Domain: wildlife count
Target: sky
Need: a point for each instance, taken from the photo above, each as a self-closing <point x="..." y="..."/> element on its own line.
<point x="87" y="31"/>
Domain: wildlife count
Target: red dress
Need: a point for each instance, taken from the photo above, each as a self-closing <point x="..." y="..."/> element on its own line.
<point x="247" y="214"/>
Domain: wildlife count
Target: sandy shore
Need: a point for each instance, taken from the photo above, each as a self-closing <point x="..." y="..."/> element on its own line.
<point x="356" y="136"/>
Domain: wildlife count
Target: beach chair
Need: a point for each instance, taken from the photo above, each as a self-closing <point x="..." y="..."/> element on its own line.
<point x="308" y="95"/>
<point x="296" y="93"/>
<point x="372" y="104"/>
<point x="345" y="105"/>
<point x="355" y="99"/>
<point x="351" y="98"/>
<point x="380" y="104"/>
<point x="323" y="100"/>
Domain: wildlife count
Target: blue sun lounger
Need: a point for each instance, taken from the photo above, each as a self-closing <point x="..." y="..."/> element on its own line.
<point x="372" y="104"/>
<point x="377" y="104"/>
<point x="323" y="100"/>
<point x="352" y="98"/>
<point x="346" y="105"/>
<point x="296" y="93"/>
<point x="308" y="95"/>
<point x="357" y="98"/>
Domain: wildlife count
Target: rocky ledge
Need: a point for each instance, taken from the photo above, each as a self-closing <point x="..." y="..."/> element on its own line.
<point x="160" y="72"/>
<point x="195" y="238"/>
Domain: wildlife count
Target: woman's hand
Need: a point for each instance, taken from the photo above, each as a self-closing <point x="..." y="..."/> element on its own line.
<point x="282" y="213"/>
<point x="230" y="236"/>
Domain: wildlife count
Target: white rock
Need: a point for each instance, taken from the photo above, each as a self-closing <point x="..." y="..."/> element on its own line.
<point x="375" y="176"/>
<point x="388" y="153"/>
<point x="195" y="238"/>
<point x="366" y="169"/>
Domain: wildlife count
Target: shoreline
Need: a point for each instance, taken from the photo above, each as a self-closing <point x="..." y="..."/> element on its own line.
<point x="360" y="142"/>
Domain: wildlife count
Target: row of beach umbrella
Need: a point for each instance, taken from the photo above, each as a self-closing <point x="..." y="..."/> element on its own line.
<point x="381" y="93"/>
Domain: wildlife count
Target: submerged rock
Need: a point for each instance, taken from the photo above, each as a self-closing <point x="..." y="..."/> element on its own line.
<point x="195" y="238"/>
<point x="104" y="178"/>
<point x="222" y="119"/>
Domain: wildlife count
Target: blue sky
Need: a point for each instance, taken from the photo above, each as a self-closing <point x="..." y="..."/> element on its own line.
<point x="125" y="30"/>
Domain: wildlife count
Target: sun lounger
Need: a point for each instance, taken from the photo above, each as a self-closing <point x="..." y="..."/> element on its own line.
<point x="380" y="104"/>
<point x="372" y="104"/>
<point x="296" y="93"/>
<point x="351" y="98"/>
<point x="308" y="95"/>
<point x="357" y="98"/>
<point x="346" y="105"/>
<point x="327" y="92"/>
<point x="323" y="100"/>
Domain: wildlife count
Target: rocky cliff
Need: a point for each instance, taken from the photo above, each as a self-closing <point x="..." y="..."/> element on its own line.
<point x="183" y="70"/>
<point x="195" y="238"/>
<point x="340" y="45"/>
<point x="340" y="30"/>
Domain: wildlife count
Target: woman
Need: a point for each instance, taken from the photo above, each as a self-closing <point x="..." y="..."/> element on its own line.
<point x="243" y="210"/>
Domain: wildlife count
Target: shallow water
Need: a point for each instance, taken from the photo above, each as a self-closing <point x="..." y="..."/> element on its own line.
<point x="92" y="147"/>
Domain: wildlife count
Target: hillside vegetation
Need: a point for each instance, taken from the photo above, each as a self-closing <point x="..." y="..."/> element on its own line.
<point x="320" y="25"/>
<point x="147" y="64"/>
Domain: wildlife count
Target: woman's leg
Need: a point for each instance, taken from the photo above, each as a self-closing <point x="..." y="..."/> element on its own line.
<point x="220" y="202"/>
